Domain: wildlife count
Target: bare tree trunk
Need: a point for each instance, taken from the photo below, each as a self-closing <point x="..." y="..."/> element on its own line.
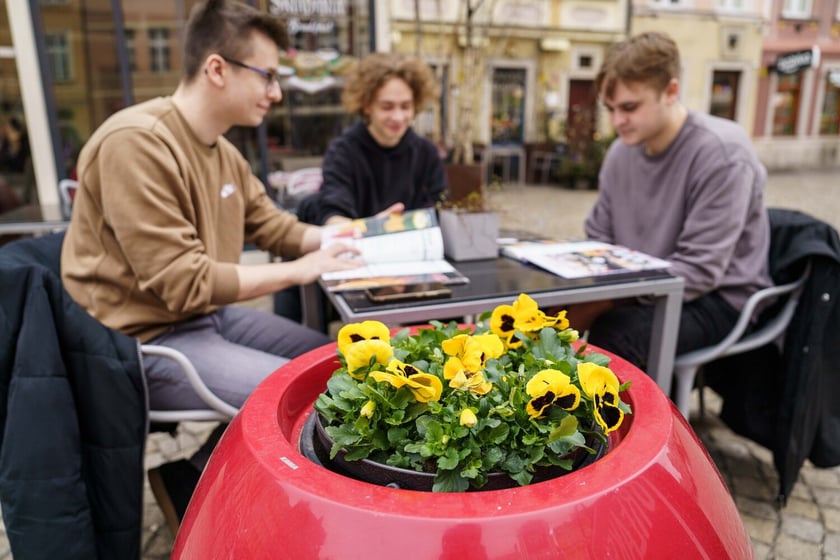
<point x="418" y="29"/>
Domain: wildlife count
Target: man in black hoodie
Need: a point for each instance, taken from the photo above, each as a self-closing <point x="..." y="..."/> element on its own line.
<point x="381" y="165"/>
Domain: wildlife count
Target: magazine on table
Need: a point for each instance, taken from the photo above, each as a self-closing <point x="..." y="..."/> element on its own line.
<point x="581" y="259"/>
<point x="398" y="249"/>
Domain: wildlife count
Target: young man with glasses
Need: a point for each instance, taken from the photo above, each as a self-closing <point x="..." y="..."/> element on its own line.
<point x="165" y="205"/>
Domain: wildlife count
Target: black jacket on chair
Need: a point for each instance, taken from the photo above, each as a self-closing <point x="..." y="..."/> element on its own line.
<point x="72" y="415"/>
<point x="788" y="402"/>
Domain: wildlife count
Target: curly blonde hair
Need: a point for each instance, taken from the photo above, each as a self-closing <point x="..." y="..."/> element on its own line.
<point x="371" y="73"/>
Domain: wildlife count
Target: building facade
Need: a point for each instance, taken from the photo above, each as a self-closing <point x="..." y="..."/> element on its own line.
<point x="797" y="120"/>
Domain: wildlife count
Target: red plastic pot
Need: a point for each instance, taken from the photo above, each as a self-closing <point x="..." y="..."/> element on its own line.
<point x="656" y="494"/>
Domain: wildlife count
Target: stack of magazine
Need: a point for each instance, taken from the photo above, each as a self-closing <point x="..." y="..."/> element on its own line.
<point x="398" y="250"/>
<point x="581" y="259"/>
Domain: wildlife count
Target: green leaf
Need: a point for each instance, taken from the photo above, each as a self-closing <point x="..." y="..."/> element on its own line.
<point x="450" y="481"/>
<point x="449" y="460"/>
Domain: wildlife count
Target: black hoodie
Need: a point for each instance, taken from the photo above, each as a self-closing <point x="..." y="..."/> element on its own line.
<point x="362" y="178"/>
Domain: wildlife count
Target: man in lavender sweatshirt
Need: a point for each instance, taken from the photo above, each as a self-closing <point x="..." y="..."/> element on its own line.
<point x="680" y="185"/>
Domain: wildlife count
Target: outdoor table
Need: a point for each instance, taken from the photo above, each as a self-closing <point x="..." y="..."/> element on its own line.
<point x="499" y="281"/>
<point x="33" y="219"/>
<point x="655" y="494"/>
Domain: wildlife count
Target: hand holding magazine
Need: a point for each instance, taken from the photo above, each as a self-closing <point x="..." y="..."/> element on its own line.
<point x="398" y="249"/>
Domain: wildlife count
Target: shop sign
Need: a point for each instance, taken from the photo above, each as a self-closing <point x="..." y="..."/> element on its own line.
<point x="793" y="62"/>
<point x="309" y="16"/>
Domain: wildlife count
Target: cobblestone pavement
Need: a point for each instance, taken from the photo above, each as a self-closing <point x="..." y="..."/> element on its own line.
<point x="807" y="528"/>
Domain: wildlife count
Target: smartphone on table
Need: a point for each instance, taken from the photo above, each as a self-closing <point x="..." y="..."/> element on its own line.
<point x="389" y="294"/>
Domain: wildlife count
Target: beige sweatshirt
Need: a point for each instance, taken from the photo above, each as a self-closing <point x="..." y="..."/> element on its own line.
<point x="160" y="220"/>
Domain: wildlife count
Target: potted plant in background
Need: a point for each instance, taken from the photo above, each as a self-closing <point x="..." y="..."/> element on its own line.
<point x="510" y="398"/>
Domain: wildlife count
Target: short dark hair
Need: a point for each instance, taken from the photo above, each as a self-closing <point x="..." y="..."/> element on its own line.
<point x="651" y="58"/>
<point x="375" y="69"/>
<point x="218" y="26"/>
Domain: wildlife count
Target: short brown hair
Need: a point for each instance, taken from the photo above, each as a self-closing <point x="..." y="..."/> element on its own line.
<point x="217" y="26"/>
<point x="651" y="58"/>
<point x="371" y="73"/>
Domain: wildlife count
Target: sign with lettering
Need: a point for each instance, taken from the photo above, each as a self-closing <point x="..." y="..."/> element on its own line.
<point x="310" y="16"/>
<point x="793" y="62"/>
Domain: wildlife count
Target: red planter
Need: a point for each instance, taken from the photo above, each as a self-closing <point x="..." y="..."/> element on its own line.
<point x="656" y="494"/>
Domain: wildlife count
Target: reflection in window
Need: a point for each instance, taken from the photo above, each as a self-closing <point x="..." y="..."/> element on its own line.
<point x="724" y="94"/>
<point x="159" y="49"/>
<point x="508" y="107"/>
<point x="59" y="55"/>
<point x="786" y="104"/>
<point x="830" y="116"/>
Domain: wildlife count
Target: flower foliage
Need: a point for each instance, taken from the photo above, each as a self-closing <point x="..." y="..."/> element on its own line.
<point x="510" y="395"/>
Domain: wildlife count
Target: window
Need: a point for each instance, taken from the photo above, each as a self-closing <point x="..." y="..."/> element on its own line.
<point x="796" y="9"/>
<point x="507" y="120"/>
<point x="58" y="53"/>
<point x="830" y="116"/>
<point x="786" y="104"/>
<point x="159" y="49"/>
<point x="131" y="49"/>
<point x="731" y="5"/>
<point x="724" y="93"/>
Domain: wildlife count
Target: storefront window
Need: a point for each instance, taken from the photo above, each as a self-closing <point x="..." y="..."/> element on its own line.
<point x="724" y="94"/>
<point x="17" y="179"/>
<point x="327" y="37"/>
<point x="508" y="107"/>
<point x="830" y="117"/>
<point x="786" y="104"/>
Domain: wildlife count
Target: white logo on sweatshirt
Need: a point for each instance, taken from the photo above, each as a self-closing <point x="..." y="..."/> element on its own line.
<point x="227" y="190"/>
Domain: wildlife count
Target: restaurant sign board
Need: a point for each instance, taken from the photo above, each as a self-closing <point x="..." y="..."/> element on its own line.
<point x="795" y="61"/>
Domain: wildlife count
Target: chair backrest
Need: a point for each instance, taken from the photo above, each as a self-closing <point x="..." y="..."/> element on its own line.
<point x="67" y="190"/>
<point x="304" y="182"/>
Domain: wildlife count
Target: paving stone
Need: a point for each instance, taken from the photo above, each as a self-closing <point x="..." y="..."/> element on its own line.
<point x="168" y="447"/>
<point x="802" y="528"/>
<point x="831" y="518"/>
<point x="791" y="548"/>
<point x="828" y="497"/>
<point x="760" y="530"/>
<point x="757" y="508"/>
<point x="762" y="551"/>
<point x="831" y="545"/>
<point x="752" y="487"/>
<point x="803" y="508"/>
<point x="822" y="478"/>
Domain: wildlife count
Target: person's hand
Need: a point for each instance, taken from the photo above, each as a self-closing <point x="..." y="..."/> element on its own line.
<point x="396" y="208"/>
<point x="336" y="256"/>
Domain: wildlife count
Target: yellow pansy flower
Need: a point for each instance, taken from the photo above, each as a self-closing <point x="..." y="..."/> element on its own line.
<point x="550" y="387"/>
<point x="473" y="382"/>
<point x="368" y="409"/>
<point x="366" y="330"/>
<point x="601" y="385"/>
<point x="358" y="356"/>
<point x="468" y="418"/>
<point x="424" y="386"/>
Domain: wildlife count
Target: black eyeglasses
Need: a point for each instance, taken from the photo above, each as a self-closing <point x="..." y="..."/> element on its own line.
<point x="270" y="78"/>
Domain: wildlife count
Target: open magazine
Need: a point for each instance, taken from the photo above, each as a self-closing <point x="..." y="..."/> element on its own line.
<point x="581" y="259"/>
<point x="398" y="249"/>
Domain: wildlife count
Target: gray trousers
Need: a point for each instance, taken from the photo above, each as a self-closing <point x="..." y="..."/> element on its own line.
<point x="233" y="349"/>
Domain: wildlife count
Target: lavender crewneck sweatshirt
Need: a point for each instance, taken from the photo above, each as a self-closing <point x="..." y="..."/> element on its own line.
<point x="699" y="204"/>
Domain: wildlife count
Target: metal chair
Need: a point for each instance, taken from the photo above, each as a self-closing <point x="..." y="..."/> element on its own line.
<point x="218" y="410"/>
<point x="739" y="340"/>
<point x="67" y="189"/>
